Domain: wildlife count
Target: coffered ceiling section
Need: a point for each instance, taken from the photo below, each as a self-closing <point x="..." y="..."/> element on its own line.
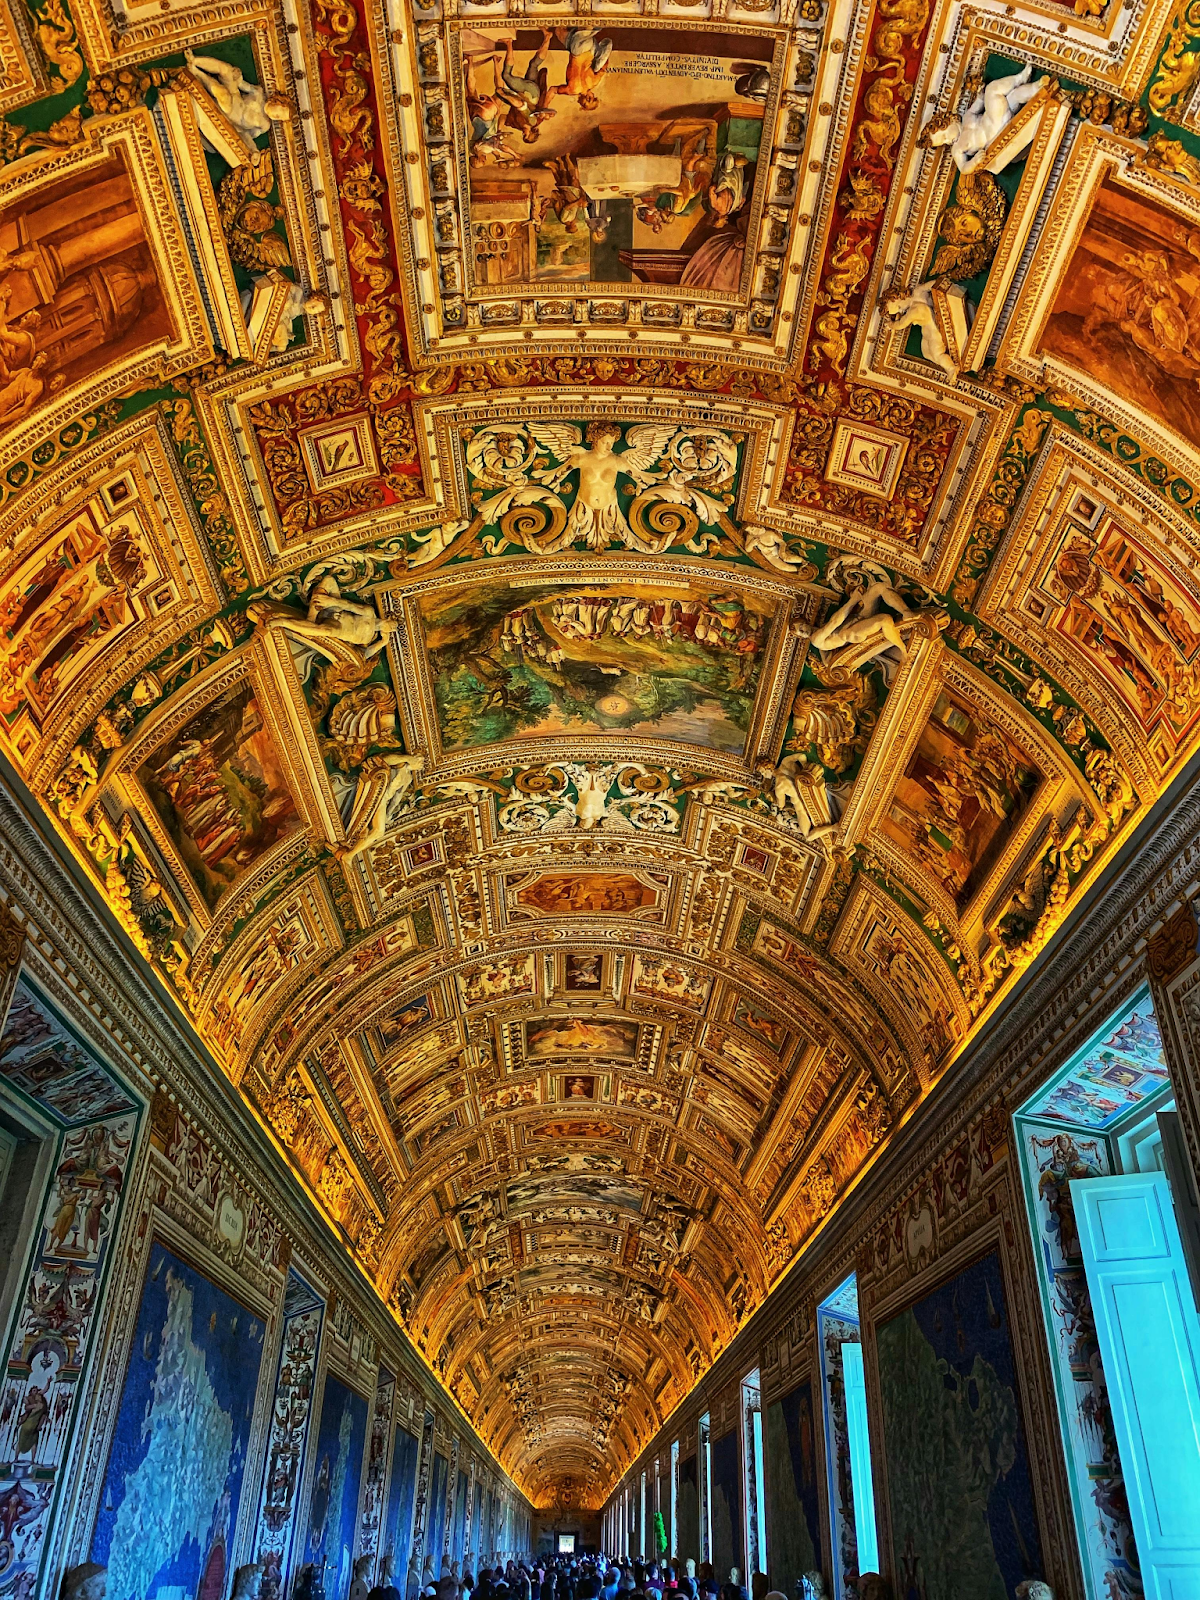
<point x="592" y="584"/>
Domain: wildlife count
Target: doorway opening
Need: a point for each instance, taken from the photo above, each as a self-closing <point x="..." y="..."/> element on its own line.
<point x="847" y="1445"/>
<point x="1118" y="1307"/>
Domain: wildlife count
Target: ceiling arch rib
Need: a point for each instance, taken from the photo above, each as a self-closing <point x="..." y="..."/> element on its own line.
<point x="596" y="613"/>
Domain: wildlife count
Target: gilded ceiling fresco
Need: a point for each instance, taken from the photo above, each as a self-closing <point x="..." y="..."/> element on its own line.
<point x="592" y="581"/>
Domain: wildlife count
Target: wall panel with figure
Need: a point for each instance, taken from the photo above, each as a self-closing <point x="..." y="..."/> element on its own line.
<point x="333" y="1500"/>
<point x="435" y="1535"/>
<point x="401" y="1496"/>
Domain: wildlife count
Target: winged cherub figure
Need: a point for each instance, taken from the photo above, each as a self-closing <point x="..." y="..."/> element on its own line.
<point x="596" y="517"/>
<point x="508" y="462"/>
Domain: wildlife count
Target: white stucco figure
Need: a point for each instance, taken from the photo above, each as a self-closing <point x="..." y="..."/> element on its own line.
<point x="862" y="627"/>
<point x="798" y="785"/>
<point x="769" y="543"/>
<point x="984" y="120"/>
<point x="382" y="781"/>
<point x="246" y="105"/>
<point x="915" y="310"/>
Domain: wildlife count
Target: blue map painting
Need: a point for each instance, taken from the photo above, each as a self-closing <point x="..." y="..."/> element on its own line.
<point x="401" y="1494"/>
<point x="437" y="1513"/>
<point x="174" y="1479"/>
<point x="333" y="1509"/>
<point x="964" y="1519"/>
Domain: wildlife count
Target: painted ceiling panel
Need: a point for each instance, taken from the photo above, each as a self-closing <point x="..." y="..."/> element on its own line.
<point x="592" y="583"/>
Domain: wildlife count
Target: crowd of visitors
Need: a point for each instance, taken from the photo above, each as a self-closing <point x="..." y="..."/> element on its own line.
<point x="586" y="1577"/>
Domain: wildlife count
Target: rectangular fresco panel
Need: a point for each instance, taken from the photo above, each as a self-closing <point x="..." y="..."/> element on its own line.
<point x="580" y="1036"/>
<point x="1113" y="1076"/>
<point x="437" y="1510"/>
<point x="726" y="1503"/>
<point x="964" y="1520"/>
<point x="960" y="796"/>
<point x="88" y="582"/>
<point x="459" y="1537"/>
<point x="1129" y="616"/>
<point x="547" y="659"/>
<point x="586" y="894"/>
<point x="51" y="1338"/>
<point x="793" y="1507"/>
<point x="333" y="1505"/>
<point x="78" y="285"/>
<point x="1126" y="309"/>
<point x="39" y="1055"/>
<point x="220" y="791"/>
<point x="584" y="973"/>
<point x="174" y="1481"/>
<point x="613" y="154"/>
<point x="756" y="1022"/>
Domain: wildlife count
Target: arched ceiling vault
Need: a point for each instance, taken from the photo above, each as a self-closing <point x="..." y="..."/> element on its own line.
<point x="592" y="593"/>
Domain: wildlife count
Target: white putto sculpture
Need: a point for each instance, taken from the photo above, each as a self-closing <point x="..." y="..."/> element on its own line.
<point x="915" y="310"/>
<point x="984" y="120"/>
<point x="771" y="545"/>
<point x="246" y="105"/>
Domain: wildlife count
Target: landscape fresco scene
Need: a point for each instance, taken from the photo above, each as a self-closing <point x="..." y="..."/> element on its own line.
<point x="960" y="796"/>
<point x="548" y="659"/>
<point x="612" y="154"/>
<point x="1127" y="311"/>
<point x="220" y="791"/>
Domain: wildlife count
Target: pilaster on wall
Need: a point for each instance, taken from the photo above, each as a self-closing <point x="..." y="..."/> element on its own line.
<point x="1173" y="966"/>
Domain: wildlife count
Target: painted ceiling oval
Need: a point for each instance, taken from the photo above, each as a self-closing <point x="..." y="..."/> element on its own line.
<point x="592" y="584"/>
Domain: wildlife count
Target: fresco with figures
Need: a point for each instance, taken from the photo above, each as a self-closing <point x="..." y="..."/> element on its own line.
<point x="333" y="1499"/>
<point x="78" y="286"/>
<point x="554" y="660"/>
<point x="612" y="154"/>
<point x="1126" y="309"/>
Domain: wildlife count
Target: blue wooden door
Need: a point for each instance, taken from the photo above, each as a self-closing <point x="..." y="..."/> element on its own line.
<point x="1149" y="1337"/>
<point x="860" y="1457"/>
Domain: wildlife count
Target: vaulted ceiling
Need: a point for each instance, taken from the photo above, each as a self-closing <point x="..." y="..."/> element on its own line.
<point x="591" y="599"/>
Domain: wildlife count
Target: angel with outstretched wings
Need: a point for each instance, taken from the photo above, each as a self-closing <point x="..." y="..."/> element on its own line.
<point x="506" y="461"/>
<point x="596" y="517"/>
